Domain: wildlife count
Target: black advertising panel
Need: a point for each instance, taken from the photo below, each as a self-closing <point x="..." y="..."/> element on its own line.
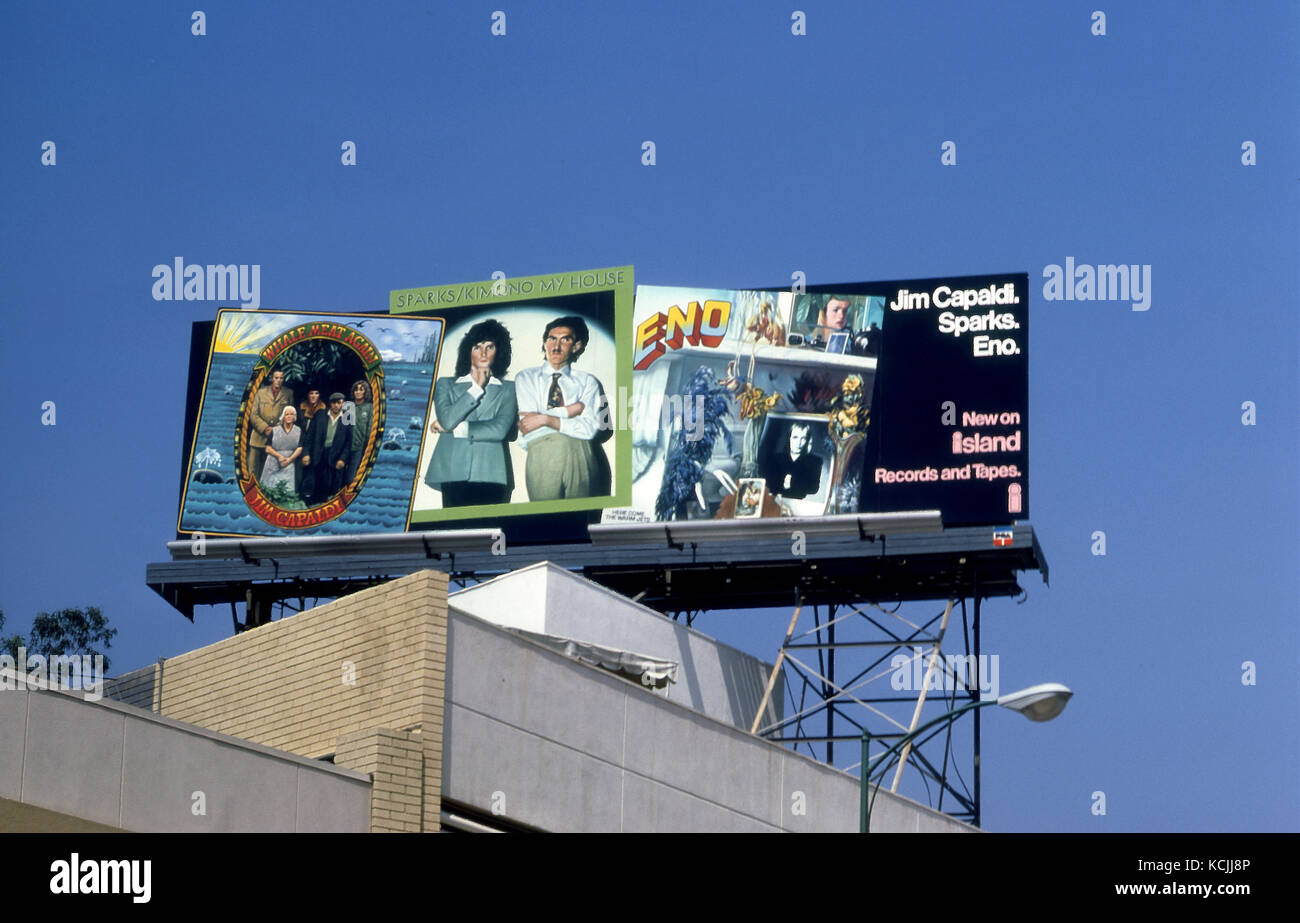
<point x="950" y="403"/>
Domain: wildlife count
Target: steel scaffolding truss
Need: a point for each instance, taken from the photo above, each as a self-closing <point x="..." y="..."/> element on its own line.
<point x="885" y="669"/>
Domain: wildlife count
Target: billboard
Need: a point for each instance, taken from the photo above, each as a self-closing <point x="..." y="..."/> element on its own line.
<point x="865" y="397"/>
<point x="545" y="402"/>
<point x="309" y="423"/>
<point x="528" y="396"/>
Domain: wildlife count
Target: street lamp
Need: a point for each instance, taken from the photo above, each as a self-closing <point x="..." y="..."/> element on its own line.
<point x="1037" y="703"/>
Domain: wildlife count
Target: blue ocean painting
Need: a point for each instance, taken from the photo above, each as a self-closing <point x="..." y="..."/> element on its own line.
<point x="213" y="503"/>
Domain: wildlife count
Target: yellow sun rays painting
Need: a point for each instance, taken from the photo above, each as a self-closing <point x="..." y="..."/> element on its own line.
<point x="245" y="332"/>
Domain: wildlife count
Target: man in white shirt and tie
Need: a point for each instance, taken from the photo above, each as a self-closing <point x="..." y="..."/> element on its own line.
<point x="559" y="416"/>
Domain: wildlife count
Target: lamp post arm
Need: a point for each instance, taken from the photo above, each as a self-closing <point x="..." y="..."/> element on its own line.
<point x="946" y="716"/>
<point x="868" y="767"/>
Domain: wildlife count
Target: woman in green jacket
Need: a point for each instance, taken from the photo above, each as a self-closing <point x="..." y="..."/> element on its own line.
<point x="476" y="417"/>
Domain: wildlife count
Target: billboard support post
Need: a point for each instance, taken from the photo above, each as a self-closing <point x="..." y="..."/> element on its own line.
<point x="830" y="677"/>
<point x="975" y="589"/>
<point x="912" y="663"/>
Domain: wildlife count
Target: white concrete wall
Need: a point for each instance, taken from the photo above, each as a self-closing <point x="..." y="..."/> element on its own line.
<point x="562" y="745"/>
<point x="714" y="678"/>
<point x="116" y="765"/>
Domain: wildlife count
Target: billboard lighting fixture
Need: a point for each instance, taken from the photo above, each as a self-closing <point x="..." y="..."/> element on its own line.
<point x="677" y="534"/>
<point x="1037" y="703"/>
<point x="304" y="546"/>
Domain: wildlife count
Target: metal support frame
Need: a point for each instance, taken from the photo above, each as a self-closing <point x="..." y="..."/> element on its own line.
<point x="862" y="641"/>
<point x="740" y="574"/>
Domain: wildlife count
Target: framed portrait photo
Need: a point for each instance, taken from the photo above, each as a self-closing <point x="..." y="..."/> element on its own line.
<point x="838" y="342"/>
<point x="750" y="493"/>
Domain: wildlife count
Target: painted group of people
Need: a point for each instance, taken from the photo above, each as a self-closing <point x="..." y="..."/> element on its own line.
<point x="552" y="410"/>
<point x="312" y="449"/>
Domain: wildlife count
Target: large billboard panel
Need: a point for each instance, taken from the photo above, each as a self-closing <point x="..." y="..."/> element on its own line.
<point x="309" y="423"/>
<point x="528" y="396"/>
<point x="866" y="397"/>
<point x="538" y="401"/>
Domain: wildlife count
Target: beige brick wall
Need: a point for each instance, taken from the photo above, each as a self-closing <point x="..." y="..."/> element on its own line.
<point x="372" y="660"/>
<point x="395" y="761"/>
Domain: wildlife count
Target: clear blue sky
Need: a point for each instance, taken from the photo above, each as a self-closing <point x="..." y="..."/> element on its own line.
<point x="775" y="153"/>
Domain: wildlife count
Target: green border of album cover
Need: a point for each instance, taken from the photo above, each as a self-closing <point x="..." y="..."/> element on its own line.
<point x="437" y="300"/>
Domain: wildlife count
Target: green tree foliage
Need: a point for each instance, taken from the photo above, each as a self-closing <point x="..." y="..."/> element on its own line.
<point x="312" y="362"/>
<point x="283" y="496"/>
<point x="10" y="644"/>
<point x="68" y="631"/>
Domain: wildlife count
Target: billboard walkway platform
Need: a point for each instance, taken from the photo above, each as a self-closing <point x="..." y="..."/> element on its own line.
<point x="671" y="574"/>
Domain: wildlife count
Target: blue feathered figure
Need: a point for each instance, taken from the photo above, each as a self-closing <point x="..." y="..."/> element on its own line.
<point x="705" y="405"/>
